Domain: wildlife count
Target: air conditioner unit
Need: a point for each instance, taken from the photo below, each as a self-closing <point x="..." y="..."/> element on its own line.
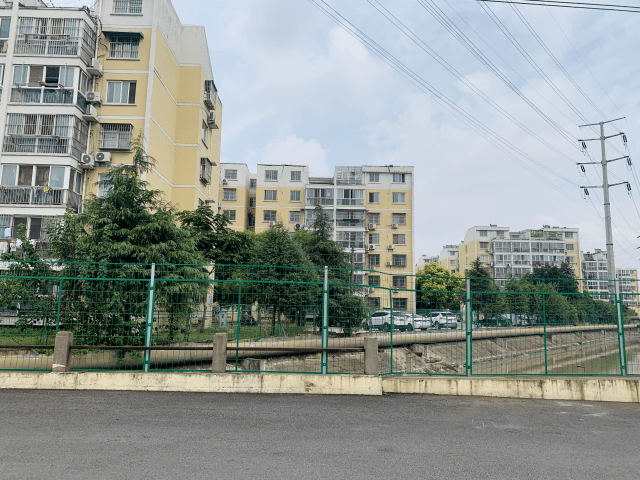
<point x="372" y="246"/>
<point x="95" y="68"/>
<point x="103" y="157"/>
<point x="91" y="114"/>
<point x="94" y="97"/>
<point x="224" y="181"/>
<point x="211" y="120"/>
<point x="272" y="224"/>
<point x="87" y="161"/>
<point x="394" y="225"/>
<point x="372" y="226"/>
<point x="389" y="264"/>
<point x="389" y="247"/>
<point x="298" y="226"/>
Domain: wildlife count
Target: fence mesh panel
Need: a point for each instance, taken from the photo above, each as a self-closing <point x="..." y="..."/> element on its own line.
<point x="276" y="321"/>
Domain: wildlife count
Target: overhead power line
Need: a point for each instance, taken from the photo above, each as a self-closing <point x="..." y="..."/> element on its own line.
<point x="580" y="5"/>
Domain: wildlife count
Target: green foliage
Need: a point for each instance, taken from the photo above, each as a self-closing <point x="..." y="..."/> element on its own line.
<point x="562" y="276"/>
<point x="484" y="299"/>
<point x="437" y="288"/>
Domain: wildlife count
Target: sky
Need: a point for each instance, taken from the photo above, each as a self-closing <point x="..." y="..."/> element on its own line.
<point x="298" y="89"/>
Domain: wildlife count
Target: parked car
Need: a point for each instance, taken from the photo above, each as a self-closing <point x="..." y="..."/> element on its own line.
<point x="444" y="320"/>
<point x="380" y="320"/>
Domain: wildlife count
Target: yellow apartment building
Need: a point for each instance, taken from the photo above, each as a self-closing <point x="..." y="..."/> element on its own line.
<point x="371" y="208"/>
<point x="449" y="259"/>
<point x="512" y="254"/>
<point x="80" y="86"/>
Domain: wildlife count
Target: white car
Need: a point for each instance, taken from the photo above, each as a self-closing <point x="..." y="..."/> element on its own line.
<point x="444" y="320"/>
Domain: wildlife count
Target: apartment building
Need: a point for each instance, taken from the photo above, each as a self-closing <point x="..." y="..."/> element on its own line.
<point x="426" y="260"/>
<point x="594" y="273"/>
<point x="449" y="258"/>
<point x="512" y="254"/>
<point x="80" y="86"/>
<point x="371" y="208"/>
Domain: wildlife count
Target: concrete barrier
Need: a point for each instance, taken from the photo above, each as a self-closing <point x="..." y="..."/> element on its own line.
<point x="600" y="389"/>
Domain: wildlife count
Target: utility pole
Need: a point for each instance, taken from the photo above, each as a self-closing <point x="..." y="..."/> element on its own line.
<point x="611" y="272"/>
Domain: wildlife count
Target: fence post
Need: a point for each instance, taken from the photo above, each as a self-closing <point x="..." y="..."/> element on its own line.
<point x="620" y="321"/>
<point x="544" y="320"/>
<point x="370" y="356"/>
<point x="391" y="331"/>
<point x="59" y="301"/>
<point x="469" y="325"/>
<point x="325" y="318"/>
<point x="219" y="360"/>
<point x="238" y="323"/>
<point x="62" y="352"/>
<point x="149" y="328"/>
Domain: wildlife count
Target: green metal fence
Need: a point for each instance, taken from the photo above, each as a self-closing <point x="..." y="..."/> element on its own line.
<point x="288" y="319"/>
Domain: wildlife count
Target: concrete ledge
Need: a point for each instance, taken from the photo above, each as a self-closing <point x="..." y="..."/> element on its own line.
<point x="597" y="389"/>
<point x="195" y="382"/>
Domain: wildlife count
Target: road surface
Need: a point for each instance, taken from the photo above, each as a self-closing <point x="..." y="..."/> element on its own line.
<point x="82" y="435"/>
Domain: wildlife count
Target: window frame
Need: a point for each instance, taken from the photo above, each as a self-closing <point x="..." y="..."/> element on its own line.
<point x="400" y="176"/>
<point x="401" y="198"/>
<point x="129" y="84"/>
<point x="271" y="193"/>
<point x="268" y="173"/>
<point x="291" y="196"/>
<point x="374" y="197"/>
<point x="269" y="213"/>
<point x="296" y="173"/>
<point x="396" y="238"/>
<point x="232" y="192"/>
<point x="373" y="175"/>
<point x="228" y="176"/>
<point x="293" y="213"/>
<point x="228" y="212"/>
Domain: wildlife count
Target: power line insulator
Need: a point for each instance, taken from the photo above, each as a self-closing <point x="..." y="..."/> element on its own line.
<point x="624" y="140"/>
<point x="629" y="163"/>
<point x="584" y="146"/>
<point x="585" y="193"/>
<point x="581" y="170"/>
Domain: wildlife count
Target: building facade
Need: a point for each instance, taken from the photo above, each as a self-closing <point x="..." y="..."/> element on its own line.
<point x="512" y="254"/>
<point x="426" y="260"/>
<point x="81" y="86"/>
<point x="595" y="279"/>
<point x="371" y="208"/>
<point x="449" y="258"/>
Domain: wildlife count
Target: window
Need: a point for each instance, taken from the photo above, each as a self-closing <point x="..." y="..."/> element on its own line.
<point x="296" y="176"/>
<point x="350" y="197"/>
<point x="399" y="303"/>
<point x="399" y="281"/>
<point x="252" y="201"/>
<point x="500" y="233"/>
<point x="319" y="196"/>
<point x="568" y="234"/>
<point x="270" y="195"/>
<point x="115" y="136"/>
<point x="399" y="260"/>
<point x="84" y="83"/>
<point x="452" y="262"/>
<point x="231" y="214"/>
<point x="124" y="47"/>
<point x="374" y="218"/>
<point x="374" y="178"/>
<point x="131" y="7"/>
<point x="231" y="174"/>
<point x="269" y="215"/>
<point x="50" y="134"/>
<point x="294" y="217"/>
<point x="374" y="280"/>
<point x="253" y="183"/>
<point x="484" y="258"/>
<point x="229" y="194"/>
<point x="398" y="197"/>
<point x="271" y="175"/>
<point x="121" y="92"/>
<point x="374" y="238"/>
<point x="374" y="302"/>
<point x="349" y="175"/>
<point x="484" y="245"/>
<point x="75" y="181"/>
<point x="203" y="133"/>
<point x="399" y="218"/>
<point x="569" y="247"/>
<point x="104" y="185"/>
<point x="205" y="170"/>
<point x="374" y="260"/>
<point x="399" y="239"/>
<point x="294" y="196"/>
<point x="45" y="176"/>
<point x="453" y="253"/>
<point x="374" y="197"/>
<point x="483" y="233"/>
<point x="398" y="178"/>
<point x="55" y="36"/>
<point x="5" y="226"/>
<point x="5" y="24"/>
<point x="570" y="259"/>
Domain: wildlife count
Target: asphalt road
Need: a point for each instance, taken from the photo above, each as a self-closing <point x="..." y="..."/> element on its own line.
<point x="94" y="435"/>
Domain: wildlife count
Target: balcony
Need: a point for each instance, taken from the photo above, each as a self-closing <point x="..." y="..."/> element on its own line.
<point x="42" y="95"/>
<point x="41" y="196"/>
<point x="319" y="201"/>
<point x="37" y="144"/>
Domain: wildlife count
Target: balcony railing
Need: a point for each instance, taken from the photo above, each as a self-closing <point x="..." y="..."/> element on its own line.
<point x="319" y="201"/>
<point x="37" y="144"/>
<point x="45" y="196"/>
<point x="350" y="222"/>
<point x="41" y="95"/>
<point x="350" y="201"/>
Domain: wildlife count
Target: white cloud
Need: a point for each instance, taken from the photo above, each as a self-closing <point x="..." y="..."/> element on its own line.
<point x="297" y="151"/>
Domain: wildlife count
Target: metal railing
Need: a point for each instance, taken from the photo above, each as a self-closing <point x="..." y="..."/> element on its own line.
<point x="39" y="196"/>
<point x="288" y="319"/>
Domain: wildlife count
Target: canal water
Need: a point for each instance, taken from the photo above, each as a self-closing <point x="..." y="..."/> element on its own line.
<point x="607" y="364"/>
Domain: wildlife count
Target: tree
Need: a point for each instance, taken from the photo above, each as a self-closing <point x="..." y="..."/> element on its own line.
<point x="437" y="288"/>
<point x="133" y="227"/>
<point x="484" y="292"/>
<point x="563" y="276"/>
<point x="347" y="307"/>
